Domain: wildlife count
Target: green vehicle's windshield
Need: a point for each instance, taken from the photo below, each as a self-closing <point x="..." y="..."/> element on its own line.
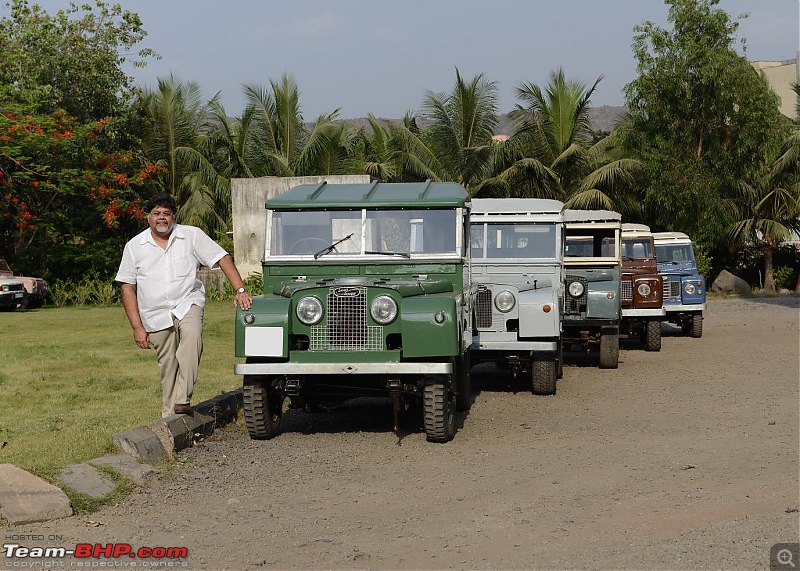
<point x="391" y="232"/>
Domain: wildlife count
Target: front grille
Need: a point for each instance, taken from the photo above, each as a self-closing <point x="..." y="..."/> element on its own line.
<point x="667" y="281"/>
<point x="675" y="289"/>
<point x="15" y="287"/>
<point x="345" y="328"/>
<point x="626" y="291"/>
<point x="576" y="304"/>
<point x="483" y="307"/>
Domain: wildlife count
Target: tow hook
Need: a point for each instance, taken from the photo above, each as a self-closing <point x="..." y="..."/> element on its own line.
<point x="292" y="388"/>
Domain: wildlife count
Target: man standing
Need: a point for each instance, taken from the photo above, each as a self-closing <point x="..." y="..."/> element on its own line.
<point x="164" y="300"/>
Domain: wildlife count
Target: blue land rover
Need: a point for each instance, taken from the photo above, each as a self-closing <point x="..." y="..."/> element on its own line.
<point x="684" y="287"/>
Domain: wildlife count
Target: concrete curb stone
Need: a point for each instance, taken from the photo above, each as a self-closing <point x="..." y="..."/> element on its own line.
<point x="87" y="480"/>
<point x="25" y="498"/>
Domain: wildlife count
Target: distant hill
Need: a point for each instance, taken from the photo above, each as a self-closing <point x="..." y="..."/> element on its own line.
<point x="601" y="118"/>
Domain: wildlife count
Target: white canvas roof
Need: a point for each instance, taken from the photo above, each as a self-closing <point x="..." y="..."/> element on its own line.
<point x="571" y="215"/>
<point x="664" y="237"/>
<point x="516" y="206"/>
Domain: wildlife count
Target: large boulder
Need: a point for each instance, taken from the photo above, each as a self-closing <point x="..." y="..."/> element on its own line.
<point x="726" y="282"/>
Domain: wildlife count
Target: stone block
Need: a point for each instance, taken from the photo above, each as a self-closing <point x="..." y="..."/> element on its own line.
<point x="726" y="282"/>
<point x="223" y="408"/>
<point x="25" y="498"/>
<point x="125" y="465"/>
<point x="141" y="443"/>
<point x="87" y="480"/>
<point x="180" y="431"/>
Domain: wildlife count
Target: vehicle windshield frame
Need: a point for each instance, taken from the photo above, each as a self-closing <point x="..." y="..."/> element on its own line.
<point x="489" y="244"/>
<point x="400" y="233"/>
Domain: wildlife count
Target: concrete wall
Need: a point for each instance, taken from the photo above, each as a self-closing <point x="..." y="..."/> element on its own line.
<point x="248" y="196"/>
<point x="781" y="75"/>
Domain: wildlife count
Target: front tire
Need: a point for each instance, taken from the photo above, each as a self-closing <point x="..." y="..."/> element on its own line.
<point x="697" y="325"/>
<point x="440" y="411"/>
<point x="543" y="373"/>
<point x="609" y="350"/>
<point x="653" y="336"/>
<point x="263" y="407"/>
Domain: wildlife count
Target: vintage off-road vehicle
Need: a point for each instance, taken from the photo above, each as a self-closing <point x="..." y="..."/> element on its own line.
<point x="684" y="287"/>
<point x="517" y="265"/>
<point x="12" y="293"/>
<point x="366" y="293"/>
<point x="641" y="288"/>
<point x="592" y="281"/>
<point x="35" y="290"/>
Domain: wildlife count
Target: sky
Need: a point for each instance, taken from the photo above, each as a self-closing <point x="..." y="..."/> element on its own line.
<point x="382" y="57"/>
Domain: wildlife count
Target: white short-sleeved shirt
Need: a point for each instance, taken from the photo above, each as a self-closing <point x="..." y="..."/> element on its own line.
<point x="166" y="279"/>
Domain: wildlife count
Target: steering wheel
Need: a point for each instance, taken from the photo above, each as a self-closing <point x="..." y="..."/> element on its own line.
<point x="310" y="241"/>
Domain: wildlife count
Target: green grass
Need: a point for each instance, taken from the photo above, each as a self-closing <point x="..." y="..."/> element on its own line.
<point x="72" y="377"/>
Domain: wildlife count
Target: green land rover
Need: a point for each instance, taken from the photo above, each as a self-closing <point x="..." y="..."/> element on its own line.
<point x="366" y="293"/>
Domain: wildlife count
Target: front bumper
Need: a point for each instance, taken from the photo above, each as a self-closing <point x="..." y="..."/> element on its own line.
<point x="684" y="307"/>
<point x="656" y="312"/>
<point x="343" y="369"/>
<point x="514" y="346"/>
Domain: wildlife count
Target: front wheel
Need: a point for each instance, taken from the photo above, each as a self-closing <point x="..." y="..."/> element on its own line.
<point x="653" y="333"/>
<point x="263" y="407"/>
<point x="697" y="325"/>
<point x="609" y="350"/>
<point x="543" y="373"/>
<point x="440" y="411"/>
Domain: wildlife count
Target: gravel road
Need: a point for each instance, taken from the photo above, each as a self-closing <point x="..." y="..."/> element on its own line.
<point x="683" y="459"/>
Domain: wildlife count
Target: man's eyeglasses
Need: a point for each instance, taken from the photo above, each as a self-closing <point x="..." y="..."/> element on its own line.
<point x="165" y="214"/>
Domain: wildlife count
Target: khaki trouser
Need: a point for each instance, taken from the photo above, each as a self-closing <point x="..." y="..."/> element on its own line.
<point x="179" y="349"/>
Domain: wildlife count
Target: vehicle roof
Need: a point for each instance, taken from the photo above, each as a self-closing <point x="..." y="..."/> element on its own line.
<point x="516" y="206"/>
<point x="671" y="237"/>
<point x="640" y="228"/>
<point x="375" y="194"/>
<point x="572" y="215"/>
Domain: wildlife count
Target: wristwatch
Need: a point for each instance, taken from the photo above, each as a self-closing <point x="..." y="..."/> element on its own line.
<point x="241" y="290"/>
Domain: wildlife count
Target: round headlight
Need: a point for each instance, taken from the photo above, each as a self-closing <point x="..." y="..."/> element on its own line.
<point x="643" y="289"/>
<point x="504" y="301"/>
<point x="689" y="288"/>
<point x="576" y="289"/>
<point x="383" y="309"/>
<point x="309" y="310"/>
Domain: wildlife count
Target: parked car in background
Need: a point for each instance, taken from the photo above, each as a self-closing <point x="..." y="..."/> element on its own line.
<point x="518" y="271"/>
<point x="35" y="290"/>
<point x="12" y="292"/>
<point x="641" y="287"/>
<point x="592" y="270"/>
<point x="366" y="293"/>
<point x="684" y="287"/>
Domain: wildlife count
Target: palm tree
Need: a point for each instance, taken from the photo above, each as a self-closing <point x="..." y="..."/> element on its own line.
<point x="770" y="208"/>
<point x="282" y="144"/>
<point x="461" y="133"/>
<point x="175" y="137"/>
<point x="552" y="154"/>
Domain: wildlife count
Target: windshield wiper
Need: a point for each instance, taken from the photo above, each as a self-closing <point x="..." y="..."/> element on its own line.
<point x="403" y="254"/>
<point x="332" y="247"/>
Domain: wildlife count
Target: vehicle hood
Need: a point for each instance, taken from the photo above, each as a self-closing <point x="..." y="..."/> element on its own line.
<point x="406" y="287"/>
<point x="679" y="268"/>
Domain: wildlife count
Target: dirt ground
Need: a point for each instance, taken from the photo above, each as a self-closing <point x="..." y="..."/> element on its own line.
<point x="683" y="459"/>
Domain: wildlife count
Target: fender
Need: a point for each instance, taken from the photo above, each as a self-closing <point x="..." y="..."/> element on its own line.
<point x="268" y="335"/>
<point x="533" y="320"/>
<point x="422" y="335"/>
